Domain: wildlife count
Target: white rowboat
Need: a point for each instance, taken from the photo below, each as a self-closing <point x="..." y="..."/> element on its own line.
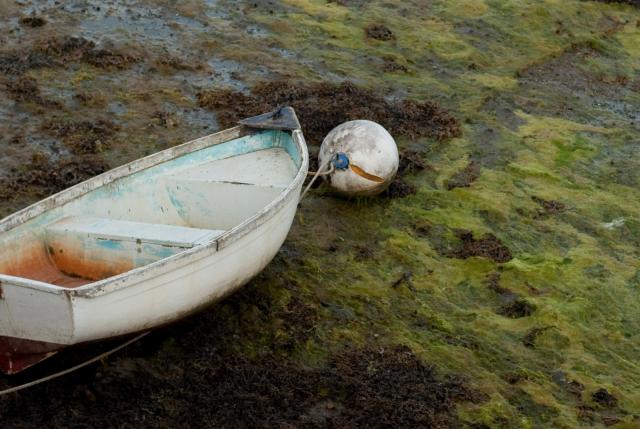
<point x="149" y="242"/>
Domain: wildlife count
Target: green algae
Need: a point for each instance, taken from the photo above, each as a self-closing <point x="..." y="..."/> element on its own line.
<point x="578" y="267"/>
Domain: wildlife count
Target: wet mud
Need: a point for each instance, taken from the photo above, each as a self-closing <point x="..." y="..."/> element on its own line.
<point x="602" y="98"/>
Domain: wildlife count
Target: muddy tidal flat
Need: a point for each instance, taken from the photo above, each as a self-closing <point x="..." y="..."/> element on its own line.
<point x="496" y="284"/>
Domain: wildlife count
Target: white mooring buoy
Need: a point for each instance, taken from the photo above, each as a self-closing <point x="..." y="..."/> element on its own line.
<point x="363" y="158"/>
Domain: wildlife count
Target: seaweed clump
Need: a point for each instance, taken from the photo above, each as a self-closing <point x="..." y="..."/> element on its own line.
<point x="400" y="188"/>
<point x="33" y="21"/>
<point x="165" y="118"/>
<point x="488" y="246"/>
<point x="548" y="207"/>
<point x="391" y="65"/>
<point x="464" y="178"/>
<point x="26" y="89"/>
<point x="68" y="48"/>
<point x="41" y="176"/>
<point x="631" y="2"/>
<point x="604" y="398"/>
<point x="529" y="340"/>
<point x="107" y="58"/>
<point x="80" y="49"/>
<point x="323" y="106"/>
<point x="514" y="307"/>
<point x="412" y="161"/>
<point x="58" y="51"/>
<point x="517" y="308"/>
<point x="84" y="137"/>
<point x="379" y="32"/>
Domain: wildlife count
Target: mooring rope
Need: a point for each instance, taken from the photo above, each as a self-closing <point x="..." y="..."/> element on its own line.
<point x="73" y="368"/>
<point x="317" y="174"/>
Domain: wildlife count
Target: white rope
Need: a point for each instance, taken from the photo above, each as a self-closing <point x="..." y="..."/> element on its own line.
<point x="318" y="174"/>
<point x="72" y="369"/>
<point x="321" y="173"/>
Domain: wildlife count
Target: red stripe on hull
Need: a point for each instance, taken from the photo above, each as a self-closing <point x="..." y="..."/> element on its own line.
<point x="18" y="354"/>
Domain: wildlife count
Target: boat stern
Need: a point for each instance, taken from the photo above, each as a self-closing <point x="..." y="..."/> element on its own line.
<point x="36" y="320"/>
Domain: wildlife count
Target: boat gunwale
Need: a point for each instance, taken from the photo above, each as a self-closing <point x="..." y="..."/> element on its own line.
<point x="109" y="284"/>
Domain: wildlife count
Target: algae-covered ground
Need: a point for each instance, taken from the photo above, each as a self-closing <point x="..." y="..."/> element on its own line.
<point x="496" y="284"/>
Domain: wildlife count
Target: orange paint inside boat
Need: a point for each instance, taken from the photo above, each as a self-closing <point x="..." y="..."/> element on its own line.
<point x="93" y="270"/>
<point x="35" y="263"/>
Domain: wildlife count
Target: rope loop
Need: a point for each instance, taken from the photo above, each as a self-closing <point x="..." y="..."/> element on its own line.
<point x="322" y="171"/>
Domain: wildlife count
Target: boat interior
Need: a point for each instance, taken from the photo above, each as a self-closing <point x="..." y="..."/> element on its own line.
<point x="152" y="214"/>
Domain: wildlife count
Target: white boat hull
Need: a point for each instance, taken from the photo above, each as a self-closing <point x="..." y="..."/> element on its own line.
<point x="38" y="318"/>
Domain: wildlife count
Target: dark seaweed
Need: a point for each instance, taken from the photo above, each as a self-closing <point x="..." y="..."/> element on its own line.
<point x="323" y="106"/>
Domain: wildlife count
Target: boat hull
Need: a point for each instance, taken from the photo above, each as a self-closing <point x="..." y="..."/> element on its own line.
<point x="160" y="298"/>
<point x="38" y="319"/>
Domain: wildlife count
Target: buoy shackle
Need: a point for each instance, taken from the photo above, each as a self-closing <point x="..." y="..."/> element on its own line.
<point x="340" y="161"/>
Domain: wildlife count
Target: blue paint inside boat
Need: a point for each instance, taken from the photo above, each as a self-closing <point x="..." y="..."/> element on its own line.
<point x="109" y="244"/>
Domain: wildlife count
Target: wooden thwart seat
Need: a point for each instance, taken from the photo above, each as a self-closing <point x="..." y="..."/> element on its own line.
<point x="120" y="230"/>
<point x="96" y="248"/>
